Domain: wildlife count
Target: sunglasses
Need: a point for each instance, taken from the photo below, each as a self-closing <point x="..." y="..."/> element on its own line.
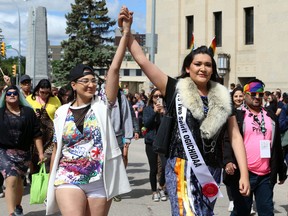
<point x="157" y="96"/>
<point x="15" y="93"/>
<point x="253" y="94"/>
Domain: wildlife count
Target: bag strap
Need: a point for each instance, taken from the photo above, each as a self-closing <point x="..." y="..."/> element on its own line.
<point x="171" y="103"/>
<point x="42" y="168"/>
<point x="120" y="107"/>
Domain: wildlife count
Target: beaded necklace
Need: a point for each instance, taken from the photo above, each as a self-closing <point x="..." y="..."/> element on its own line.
<point x="256" y="119"/>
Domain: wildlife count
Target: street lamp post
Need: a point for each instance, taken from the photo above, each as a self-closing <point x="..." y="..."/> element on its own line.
<point x="19" y="45"/>
<point x="152" y="48"/>
<point x="34" y="47"/>
<point x="223" y="64"/>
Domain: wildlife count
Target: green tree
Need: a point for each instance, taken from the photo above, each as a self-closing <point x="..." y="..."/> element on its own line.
<point x="89" y="30"/>
<point x="6" y="66"/>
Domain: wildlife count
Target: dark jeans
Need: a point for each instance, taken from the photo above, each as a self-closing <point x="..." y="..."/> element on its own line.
<point x="228" y="190"/>
<point x="153" y="165"/>
<point x="1" y="181"/>
<point x="262" y="189"/>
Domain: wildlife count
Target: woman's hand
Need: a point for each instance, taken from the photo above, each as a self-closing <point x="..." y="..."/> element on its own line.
<point x="38" y="113"/>
<point x="41" y="158"/>
<point x="244" y="186"/>
<point x="159" y="108"/>
<point x="39" y="146"/>
<point x="7" y="80"/>
<point x="125" y="19"/>
<point x="230" y="168"/>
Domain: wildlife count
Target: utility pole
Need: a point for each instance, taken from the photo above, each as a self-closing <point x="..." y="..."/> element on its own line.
<point x="152" y="49"/>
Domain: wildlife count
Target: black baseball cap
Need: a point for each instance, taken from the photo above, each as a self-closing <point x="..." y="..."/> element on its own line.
<point x="24" y="78"/>
<point x="78" y="72"/>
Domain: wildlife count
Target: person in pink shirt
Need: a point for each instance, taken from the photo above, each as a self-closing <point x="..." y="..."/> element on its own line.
<point x="260" y="130"/>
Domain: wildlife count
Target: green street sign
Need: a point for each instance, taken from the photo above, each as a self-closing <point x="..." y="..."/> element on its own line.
<point x="8" y="46"/>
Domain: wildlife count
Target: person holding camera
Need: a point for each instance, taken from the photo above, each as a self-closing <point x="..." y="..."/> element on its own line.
<point x="44" y="104"/>
<point x="151" y="119"/>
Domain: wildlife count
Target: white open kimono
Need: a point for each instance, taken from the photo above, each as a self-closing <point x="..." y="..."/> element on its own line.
<point x="114" y="176"/>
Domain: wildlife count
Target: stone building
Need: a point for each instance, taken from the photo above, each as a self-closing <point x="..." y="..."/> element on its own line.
<point x="252" y="32"/>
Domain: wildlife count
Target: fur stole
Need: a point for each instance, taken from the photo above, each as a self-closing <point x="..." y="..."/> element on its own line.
<point x="219" y="103"/>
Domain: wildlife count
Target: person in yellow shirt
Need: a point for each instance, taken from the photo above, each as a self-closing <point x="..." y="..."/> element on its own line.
<point x="44" y="104"/>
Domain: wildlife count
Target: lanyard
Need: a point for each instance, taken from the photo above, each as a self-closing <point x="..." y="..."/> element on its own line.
<point x="256" y="119"/>
<point x="195" y="159"/>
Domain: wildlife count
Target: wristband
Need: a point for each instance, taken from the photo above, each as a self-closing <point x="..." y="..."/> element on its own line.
<point x="121" y="29"/>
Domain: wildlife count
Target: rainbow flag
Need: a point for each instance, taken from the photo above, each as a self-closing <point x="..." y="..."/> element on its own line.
<point x="212" y="47"/>
<point x="192" y="42"/>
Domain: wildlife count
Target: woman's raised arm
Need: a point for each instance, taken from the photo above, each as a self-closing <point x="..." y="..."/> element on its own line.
<point x="112" y="79"/>
<point x="155" y="75"/>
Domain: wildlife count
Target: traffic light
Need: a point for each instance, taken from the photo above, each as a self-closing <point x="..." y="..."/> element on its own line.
<point x="3" y="49"/>
<point x="14" y="69"/>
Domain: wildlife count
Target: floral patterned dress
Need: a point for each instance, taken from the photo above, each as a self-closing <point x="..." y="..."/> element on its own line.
<point x="82" y="153"/>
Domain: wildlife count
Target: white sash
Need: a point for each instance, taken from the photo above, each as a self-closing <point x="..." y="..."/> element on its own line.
<point x="195" y="159"/>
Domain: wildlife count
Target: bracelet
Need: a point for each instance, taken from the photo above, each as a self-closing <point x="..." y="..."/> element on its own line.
<point x="121" y="29"/>
<point x="125" y="34"/>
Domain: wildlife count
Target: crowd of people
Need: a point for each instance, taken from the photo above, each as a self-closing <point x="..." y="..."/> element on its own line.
<point x="82" y="133"/>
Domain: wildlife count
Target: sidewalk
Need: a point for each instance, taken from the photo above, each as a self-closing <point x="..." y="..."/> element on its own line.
<point x="139" y="201"/>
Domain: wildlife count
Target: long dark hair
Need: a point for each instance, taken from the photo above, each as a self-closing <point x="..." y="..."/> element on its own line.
<point x="150" y="99"/>
<point x="238" y="88"/>
<point x="189" y="58"/>
<point x="43" y="83"/>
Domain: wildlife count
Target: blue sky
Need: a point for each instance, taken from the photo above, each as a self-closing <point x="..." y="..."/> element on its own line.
<point x="56" y="10"/>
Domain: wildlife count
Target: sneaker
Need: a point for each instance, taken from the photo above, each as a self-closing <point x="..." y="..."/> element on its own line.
<point x="45" y="202"/>
<point x="18" y="210"/>
<point x="1" y="192"/>
<point x="117" y="198"/>
<point x="162" y="194"/>
<point x="252" y="211"/>
<point x="231" y="206"/>
<point x="155" y="197"/>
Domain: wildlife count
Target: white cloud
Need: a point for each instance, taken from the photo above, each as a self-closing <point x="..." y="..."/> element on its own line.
<point x="56" y="26"/>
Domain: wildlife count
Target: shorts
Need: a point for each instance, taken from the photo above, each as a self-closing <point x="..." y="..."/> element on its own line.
<point x="92" y="190"/>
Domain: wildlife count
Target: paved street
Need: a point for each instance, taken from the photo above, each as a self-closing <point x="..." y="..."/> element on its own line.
<point x="138" y="202"/>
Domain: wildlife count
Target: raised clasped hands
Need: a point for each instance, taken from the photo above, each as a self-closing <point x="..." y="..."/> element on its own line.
<point x="125" y="19"/>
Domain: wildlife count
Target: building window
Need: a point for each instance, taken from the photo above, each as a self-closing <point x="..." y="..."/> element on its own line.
<point x="126" y="72"/>
<point x="249" y="25"/>
<point x="138" y="72"/>
<point x="218" y="28"/>
<point x="101" y="72"/>
<point x="190" y="29"/>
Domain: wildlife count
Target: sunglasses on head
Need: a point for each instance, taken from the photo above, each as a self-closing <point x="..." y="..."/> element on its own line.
<point x="157" y="96"/>
<point x="253" y="94"/>
<point x="9" y="93"/>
